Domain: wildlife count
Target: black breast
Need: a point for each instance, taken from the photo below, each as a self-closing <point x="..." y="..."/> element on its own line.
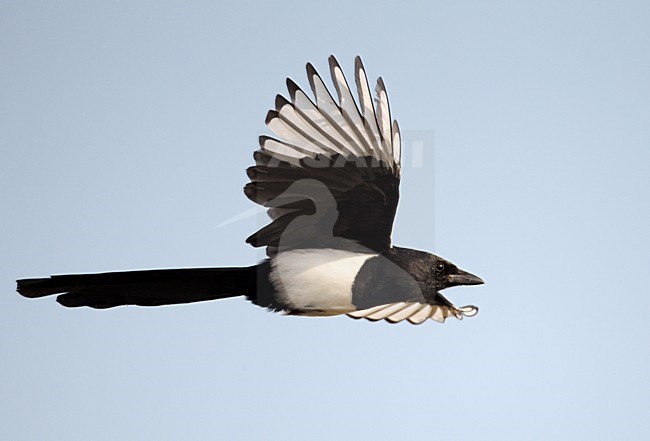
<point x="380" y="281"/>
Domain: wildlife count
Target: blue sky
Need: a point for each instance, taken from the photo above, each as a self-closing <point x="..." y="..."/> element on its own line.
<point x="125" y="132"/>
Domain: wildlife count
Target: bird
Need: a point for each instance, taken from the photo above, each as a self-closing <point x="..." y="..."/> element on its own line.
<point x="330" y="183"/>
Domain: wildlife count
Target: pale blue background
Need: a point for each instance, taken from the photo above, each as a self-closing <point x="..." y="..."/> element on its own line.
<point x="125" y="130"/>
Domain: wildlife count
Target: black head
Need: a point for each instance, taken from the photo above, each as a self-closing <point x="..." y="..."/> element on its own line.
<point x="445" y="274"/>
<point x="433" y="273"/>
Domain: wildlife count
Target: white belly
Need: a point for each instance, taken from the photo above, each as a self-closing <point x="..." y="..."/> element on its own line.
<point x="317" y="280"/>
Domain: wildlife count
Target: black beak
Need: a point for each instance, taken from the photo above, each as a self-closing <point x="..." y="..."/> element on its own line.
<point x="464" y="278"/>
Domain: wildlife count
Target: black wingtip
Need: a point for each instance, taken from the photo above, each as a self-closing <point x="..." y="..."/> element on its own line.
<point x="333" y="62"/>
<point x="358" y="64"/>
<point x="252" y="172"/>
<point x="250" y="191"/>
<point x="280" y="102"/>
<point x="380" y="84"/>
<point x="311" y="70"/>
<point x="270" y="116"/>
<point x="261" y="157"/>
<point x="292" y="87"/>
<point x="311" y="73"/>
<point x="263" y="138"/>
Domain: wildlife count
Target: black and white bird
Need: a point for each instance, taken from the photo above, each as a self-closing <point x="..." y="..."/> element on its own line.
<point x="330" y="182"/>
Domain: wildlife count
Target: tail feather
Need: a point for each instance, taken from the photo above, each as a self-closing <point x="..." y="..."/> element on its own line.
<point x="144" y="288"/>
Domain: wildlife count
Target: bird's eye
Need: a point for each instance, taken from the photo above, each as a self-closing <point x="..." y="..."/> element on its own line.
<point x="440" y="267"/>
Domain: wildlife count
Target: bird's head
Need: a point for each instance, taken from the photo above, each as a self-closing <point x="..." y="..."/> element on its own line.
<point x="444" y="274"/>
<point x="432" y="273"/>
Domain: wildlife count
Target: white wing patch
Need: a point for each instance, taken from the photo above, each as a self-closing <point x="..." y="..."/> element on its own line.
<point x="415" y="313"/>
<point x="307" y="128"/>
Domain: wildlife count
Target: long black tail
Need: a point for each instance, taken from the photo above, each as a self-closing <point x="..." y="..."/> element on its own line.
<point x="144" y="288"/>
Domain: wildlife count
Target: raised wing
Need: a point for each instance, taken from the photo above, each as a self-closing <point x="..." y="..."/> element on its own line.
<point x="331" y="178"/>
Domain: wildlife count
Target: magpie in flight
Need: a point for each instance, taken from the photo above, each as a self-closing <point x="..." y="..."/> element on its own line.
<point x="330" y="182"/>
